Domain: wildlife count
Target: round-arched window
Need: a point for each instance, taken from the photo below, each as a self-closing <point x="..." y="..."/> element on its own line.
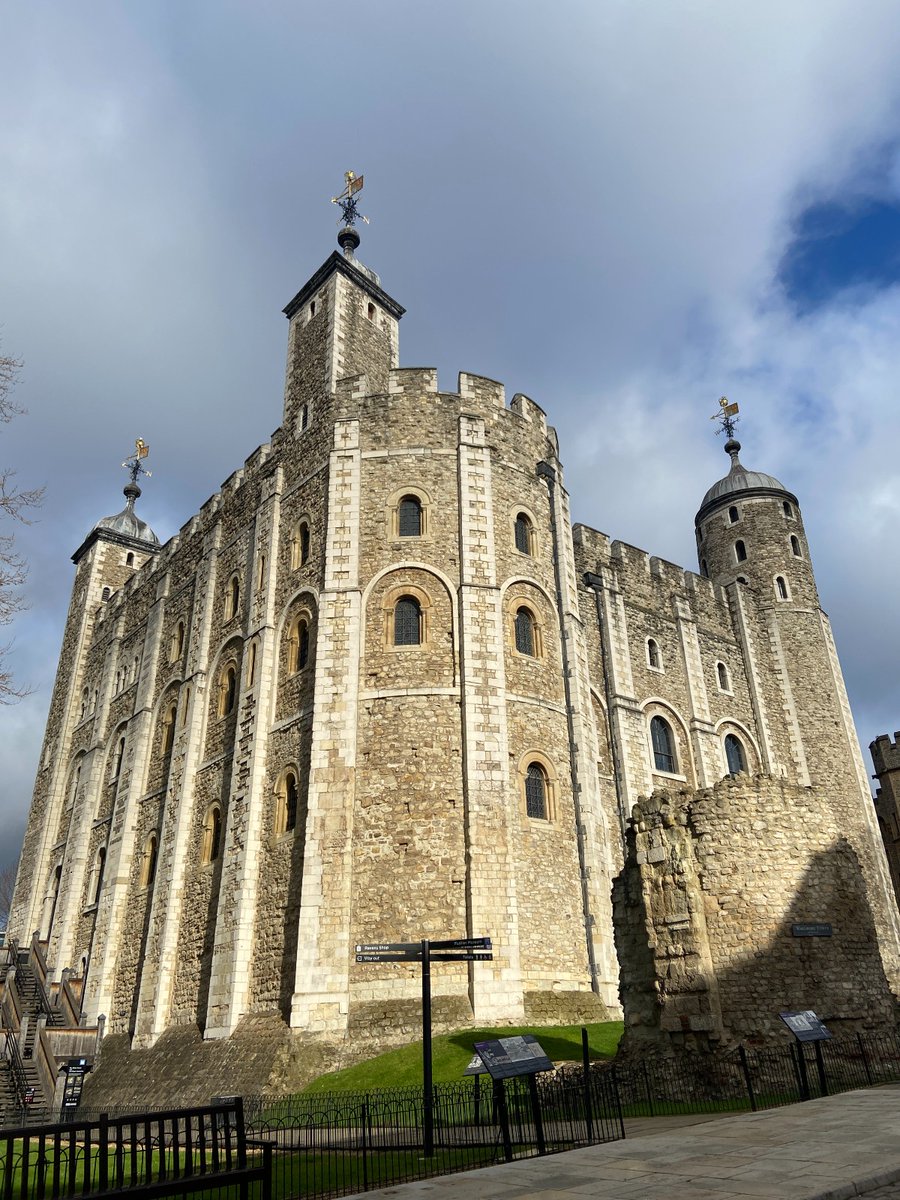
<point x="663" y="742"/>
<point x="536" y="792"/>
<point x="409" y="517"/>
<point x="734" y="754"/>
<point x="407" y="622"/>
<point x="525" y="639"/>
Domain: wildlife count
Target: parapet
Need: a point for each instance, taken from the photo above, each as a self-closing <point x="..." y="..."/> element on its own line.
<point x="885" y="753"/>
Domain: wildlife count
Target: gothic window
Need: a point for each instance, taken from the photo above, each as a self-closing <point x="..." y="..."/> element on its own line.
<point x="654" y="658"/>
<point x="733" y="514"/>
<point x="795" y="546"/>
<point x="227" y="690"/>
<point x="526" y="640"/>
<point x="781" y="588"/>
<point x="734" y="755"/>
<point x="788" y="509"/>
<point x="148" y="863"/>
<point x="740" y="551"/>
<point x="232" y="597"/>
<point x="176" y="646"/>
<point x="300" y="545"/>
<point x="663" y="745"/>
<point x="298" y="654"/>
<point x="724" y="681"/>
<point x="288" y="801"/>
<point x="524" y="533"/>
<point x="536" y="792"/>
<point x="212" y="833"/>
<point x="409" y="517"/>
<point x="407" y="622"/>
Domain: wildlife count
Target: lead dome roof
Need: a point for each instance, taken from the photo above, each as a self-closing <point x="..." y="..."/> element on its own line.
<point x="127" y="523"/>
<point x="739" y="481"/>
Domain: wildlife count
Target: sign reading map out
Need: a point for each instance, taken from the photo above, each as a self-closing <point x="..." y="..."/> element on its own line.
<point x="513" y="1056"/>
<point x="805" y="1026"/>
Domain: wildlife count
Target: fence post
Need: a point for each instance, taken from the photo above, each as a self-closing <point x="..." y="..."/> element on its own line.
<point x="865" y="1057"/>
<point x="536" y="1113"/>
<point x="618" y="1095"/>
<point x="503" y="1114"/>
<point x="649" y="1093"/>
<point x="820" y="1064"/>
<point x="477" y="1099"/>
<point x="268" y="1155"/>
<point x="745" y="1067"/>
<point x="586" y="1079"/>
<point x="801" y="1064"/>
<point x="102" y="1153"/>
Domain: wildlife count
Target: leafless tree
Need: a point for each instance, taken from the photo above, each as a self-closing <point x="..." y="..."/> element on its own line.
<point x="15" y="503"/>
<point x="7" y="883"/>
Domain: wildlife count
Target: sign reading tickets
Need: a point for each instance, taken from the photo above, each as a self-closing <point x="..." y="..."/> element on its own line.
<point x="513" y="1056"/>
<point x="805" y="1026"/>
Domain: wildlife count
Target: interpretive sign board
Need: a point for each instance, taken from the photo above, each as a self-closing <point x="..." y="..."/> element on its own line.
<point x="512" y="1056"/>
<point x="805" y="1026"/>
<point x="476" y="1066"/>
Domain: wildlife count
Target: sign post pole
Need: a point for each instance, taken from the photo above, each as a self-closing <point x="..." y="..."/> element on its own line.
<point x="428" y="1116"/>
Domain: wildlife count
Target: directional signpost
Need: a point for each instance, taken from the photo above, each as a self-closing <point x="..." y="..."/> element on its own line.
<point x="477" y="949"/>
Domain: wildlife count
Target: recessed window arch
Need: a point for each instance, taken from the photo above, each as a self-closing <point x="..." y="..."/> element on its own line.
<point x="523" y="532"/>
<point x="168" y="727"/>
<point x="85" y="701"/>
<point x="408" y="623"/>
<point x="735" y="755"/>
<point x="212" y="833"/>
<point x="663" y="742"/>
<point x="409" y="517"/>
<point x="704" y="571"/>
<point x="298" y="644"/>
<point x="723" y="678"/>
<point x="370" y="311"/>
<point x="176" y="644"/>
<point x="781" y="588"/>
<point x="304" y="416"/>
<point x="118" y="758"/>
<point x="129" y="559"/>
<point x="148" y="859"/>
<point x="185" y="705"/>
<point x="252" y="656"/>
<point x="99" y="868"/>
<point x="795" y="546"/>
<point x="733" y="514"/>
<point x="301" y="540"/>
<point x="232" y="597"/>
<point x="654" y="658"/>
<point x="106" y="593"/>
<point x="740" y="551"/>
<point x="787" y="508"/>
<point x="527" y="636"/>
<point x="537" y="798"/>
<point x="261" y="564"/>
<point x="227" y="689"/>
<point x="287" y="802"/>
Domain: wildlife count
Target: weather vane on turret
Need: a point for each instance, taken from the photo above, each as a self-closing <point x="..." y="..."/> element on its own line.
<point x="728" y="415"/>
<point x="134" y="463"/>
<point x="347" y="199"/>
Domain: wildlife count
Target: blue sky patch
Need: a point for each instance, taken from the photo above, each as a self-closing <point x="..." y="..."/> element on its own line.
<point x="836" y="248"/>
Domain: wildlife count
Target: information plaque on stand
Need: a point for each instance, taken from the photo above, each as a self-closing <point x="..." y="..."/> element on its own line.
<point x="805" y="1026"/>
<point x="512" y="1056"/>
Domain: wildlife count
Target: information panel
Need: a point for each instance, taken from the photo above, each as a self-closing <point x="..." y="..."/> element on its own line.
<point x="513" y="1056"/>
<point x="805" y="1026"/>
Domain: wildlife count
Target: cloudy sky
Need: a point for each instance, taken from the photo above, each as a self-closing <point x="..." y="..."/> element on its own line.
<point x="623" y="210"/>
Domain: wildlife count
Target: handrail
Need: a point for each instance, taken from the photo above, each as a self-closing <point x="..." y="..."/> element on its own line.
<point x="13" y="1056"/>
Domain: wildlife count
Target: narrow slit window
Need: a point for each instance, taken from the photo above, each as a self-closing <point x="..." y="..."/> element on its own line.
<point x="724" y="682"/>
<point x="795" y="546"/>
<point x="654" y="659"/>
<point x="740" y="551"/>
<point x="781" y="587"/>
<point x="733" y="514"/>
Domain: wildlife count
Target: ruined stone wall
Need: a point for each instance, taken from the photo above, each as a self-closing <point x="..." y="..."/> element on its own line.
<point x="713" y="882"/>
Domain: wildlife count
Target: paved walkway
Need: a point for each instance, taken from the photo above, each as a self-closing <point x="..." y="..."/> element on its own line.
<point x="829" y="1149"/>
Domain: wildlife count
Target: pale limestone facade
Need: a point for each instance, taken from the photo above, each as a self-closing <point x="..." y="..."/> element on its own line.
<point x="269" y="777"/>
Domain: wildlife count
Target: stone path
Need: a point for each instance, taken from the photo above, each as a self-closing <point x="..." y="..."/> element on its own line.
<point x="831" y="1149"/>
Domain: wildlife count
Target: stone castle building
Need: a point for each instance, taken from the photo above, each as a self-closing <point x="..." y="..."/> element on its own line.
<point x="379" y="688"/>
<point x="886" y="760"/>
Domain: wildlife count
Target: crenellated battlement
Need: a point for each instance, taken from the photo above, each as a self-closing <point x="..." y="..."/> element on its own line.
<point x="886" y="753"/>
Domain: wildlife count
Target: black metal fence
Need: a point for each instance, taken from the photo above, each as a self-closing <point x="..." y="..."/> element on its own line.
<point x="176" y="1153"/>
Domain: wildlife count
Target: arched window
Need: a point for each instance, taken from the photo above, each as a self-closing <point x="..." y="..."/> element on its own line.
<point x="251" y="663"/>
<point x="232" y="597"/>
<point x="703" y="568"/>
<point x="176" y="646"/>
<point x="312" y="308"/>
<point x="525" y="633"/>
<point x="733" y="514"/>
<point x="536" y="792"/>
<point x="524" y="533"/>
<point x="212" y="833"/>
<point x="129" y="559"/>
<point x="788" y="509"/>
<point x="98" y="874"/>
<point x="185" y="706"/>
<point x="300" y="545"/>
<point x="298" y="655"/>
<point x="304" y="416"/>
<point x="148" y="864"/>
<point x="724" y="681"/>
<point x="795" y="546"/>
<point x="168" y="732"/>
<point x="663" y="745"/>
<point x="261" y="572"/>
<point x="740" y="551"/>
<point x="288" y="800"/>
<point x="370" y="311"/>
<point x="409" y="517"/>
<point x="227" y="690"/>
<point x="85" y="700"/>
<point x="781" y="587"/>
<point x="407" y="622"/>
<point x="120" y="755"/>
<point x="106" y="593"/>
<point x="734" y="755"/>
<point x="654" y="658"/>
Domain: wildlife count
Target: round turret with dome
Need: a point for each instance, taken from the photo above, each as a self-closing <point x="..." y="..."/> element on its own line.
<point x="750" y="531"/>
<point x="127" y="523"/>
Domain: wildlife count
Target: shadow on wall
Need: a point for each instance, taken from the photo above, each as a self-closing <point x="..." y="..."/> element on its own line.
<point x="736" y="903"/>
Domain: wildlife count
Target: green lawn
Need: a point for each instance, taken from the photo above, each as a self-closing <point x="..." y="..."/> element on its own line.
<point x="451" y="1054"/>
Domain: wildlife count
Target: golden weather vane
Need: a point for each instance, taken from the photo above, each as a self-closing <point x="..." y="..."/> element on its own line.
<point x="134" y="462"/>
<point x="347" y="199"/>
<point x="727" y="414"/>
